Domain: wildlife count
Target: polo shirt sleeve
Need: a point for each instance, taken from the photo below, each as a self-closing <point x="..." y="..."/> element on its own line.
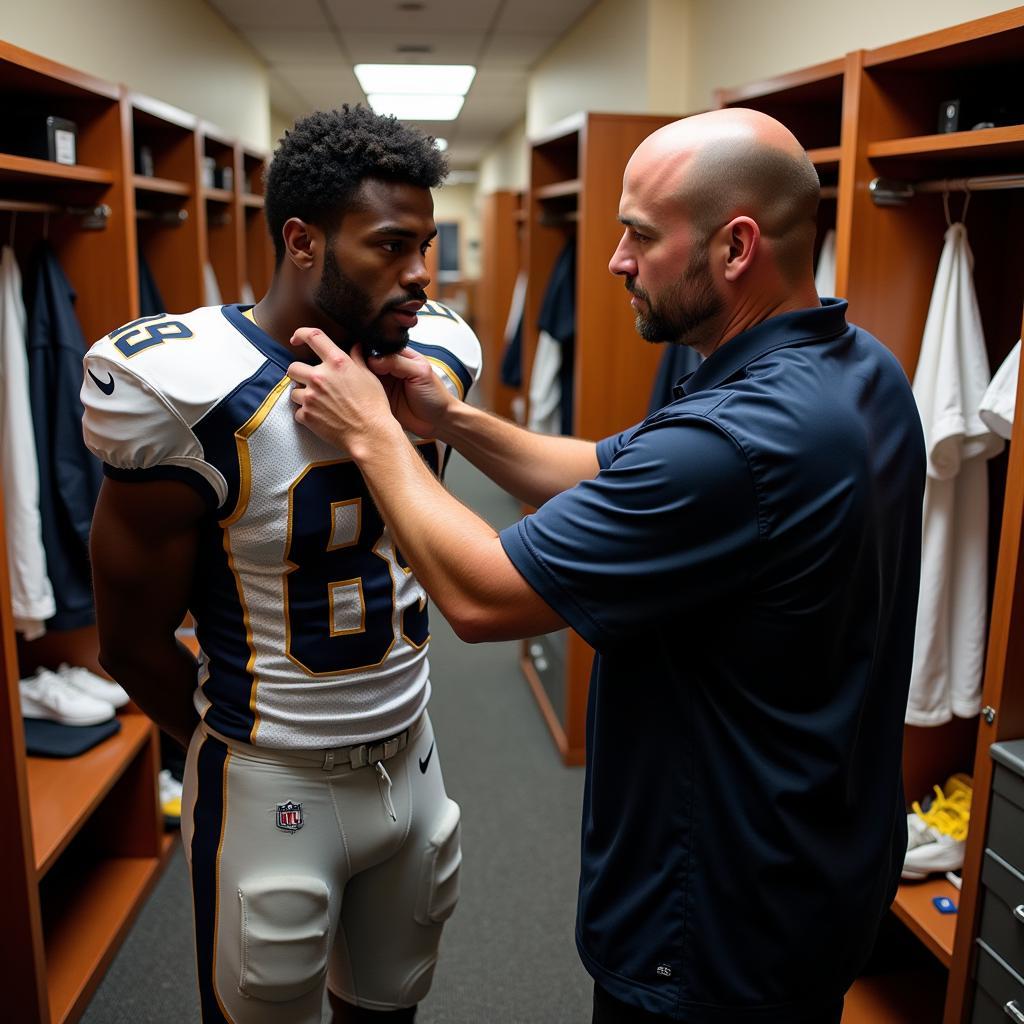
<point x="667" y="526"/>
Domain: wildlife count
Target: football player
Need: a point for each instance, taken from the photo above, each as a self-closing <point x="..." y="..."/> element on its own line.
<point x="324" y="852"/>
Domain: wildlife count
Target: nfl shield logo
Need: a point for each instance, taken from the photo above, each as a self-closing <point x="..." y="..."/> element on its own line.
<point x="289" y="816"/>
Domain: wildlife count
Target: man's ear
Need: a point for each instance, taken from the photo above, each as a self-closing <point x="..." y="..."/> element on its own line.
<point x="743" y="237"/>
<point x="302" y="242"/>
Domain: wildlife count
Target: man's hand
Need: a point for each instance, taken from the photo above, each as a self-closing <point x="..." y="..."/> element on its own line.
<point x="340" y="400"/>
<point x="418" y="399"/>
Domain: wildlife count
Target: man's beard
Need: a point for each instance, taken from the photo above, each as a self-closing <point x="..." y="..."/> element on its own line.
<point x="344" y="302"/>
<point x="690" y="303"/>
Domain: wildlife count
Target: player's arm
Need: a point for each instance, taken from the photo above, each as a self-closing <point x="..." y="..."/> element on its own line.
<point x="532" y="467"/>
<point x="143" y="548"/>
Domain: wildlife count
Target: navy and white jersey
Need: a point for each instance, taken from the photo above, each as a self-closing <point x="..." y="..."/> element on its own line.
<point x="313" y="630"/>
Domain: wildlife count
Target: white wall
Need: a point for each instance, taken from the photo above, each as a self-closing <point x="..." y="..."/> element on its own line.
<point x="739" y="41"/>
<point x="459" y="203"/>
<point x="600" y="65"/>
<point x="180" y="52"/>
<point x="668" y="56"/>
<point x="505" y="165"/>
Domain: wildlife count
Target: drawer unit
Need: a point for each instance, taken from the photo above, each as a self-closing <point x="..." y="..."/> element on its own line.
<point x="1006" y="814"/>
<point x="999" y="991"/>
<point x="1002" y="910"/>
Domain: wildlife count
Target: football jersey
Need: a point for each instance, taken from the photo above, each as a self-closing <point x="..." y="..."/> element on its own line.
<point x="313" y="630"/>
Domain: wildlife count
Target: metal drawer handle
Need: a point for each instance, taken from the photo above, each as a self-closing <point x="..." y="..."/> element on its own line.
<point x="1018" y="912"/>
<point x="1013" y="1011"/>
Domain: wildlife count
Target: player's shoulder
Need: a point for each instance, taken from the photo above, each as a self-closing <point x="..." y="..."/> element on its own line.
<point x="442" y="334"/>
<point x="193" y="357"/>
<point x="203" y="326"/>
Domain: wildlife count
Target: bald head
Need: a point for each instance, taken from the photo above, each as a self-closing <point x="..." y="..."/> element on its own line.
<point x="729" y="163"/>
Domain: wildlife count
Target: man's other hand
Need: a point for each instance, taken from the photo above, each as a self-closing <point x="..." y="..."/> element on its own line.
<point x="340" y="399"/>
<point x="418" y="399"/>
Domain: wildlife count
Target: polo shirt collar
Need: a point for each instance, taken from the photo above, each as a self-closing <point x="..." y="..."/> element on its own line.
<point x="793" y="328"/>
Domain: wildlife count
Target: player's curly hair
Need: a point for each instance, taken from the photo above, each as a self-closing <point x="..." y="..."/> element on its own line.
<point x="322" y="161"/>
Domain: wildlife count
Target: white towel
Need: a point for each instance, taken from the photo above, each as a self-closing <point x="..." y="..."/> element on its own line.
<point x="211" y="290"/>
<point x="545" y="409"/>
<point x="1000" y="400"/>
<point x="825" y="274"/>
<point x="31" y="592"/>
<point x="952" y="375"/>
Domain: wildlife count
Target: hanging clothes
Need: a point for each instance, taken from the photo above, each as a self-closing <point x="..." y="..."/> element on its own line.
<point x="951" y="378"/>
<point x="69" y="475"/>
<point x="31" y="592"/>
<point x="150" y="300"/>
<point x="211" y="289"/>
<point x="1000" y="399"/>
<point x="554" y="369"/>
<point x="512" y="356"/>
<point x="545" y="387"/>
<point x="825" y="272"/>
<point x="677" y="361"/>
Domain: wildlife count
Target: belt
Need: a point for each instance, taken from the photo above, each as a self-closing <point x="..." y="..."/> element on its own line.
<point x="358" y="755"/>
<point x="363" y="754"/>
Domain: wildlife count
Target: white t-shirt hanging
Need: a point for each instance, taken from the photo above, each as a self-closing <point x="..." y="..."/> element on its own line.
<point x="31" y="592"/>
<point x="545" y="409"/>
<point x="952" y="375"/>
<point x="1000" y="400"/>
<point x="825" y="273"/>
<point x="211" y="290"/>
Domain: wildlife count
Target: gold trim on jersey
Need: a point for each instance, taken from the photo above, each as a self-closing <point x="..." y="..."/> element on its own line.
<point x="242" y="436"/>
<point x="331" y="588"/>
<point x="449" y="373"/>
<point x="335" y="505"/>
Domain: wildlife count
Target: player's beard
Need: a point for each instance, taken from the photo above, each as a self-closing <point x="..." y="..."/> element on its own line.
<point x="341" y="299"/>
<point x="688" y="304"/>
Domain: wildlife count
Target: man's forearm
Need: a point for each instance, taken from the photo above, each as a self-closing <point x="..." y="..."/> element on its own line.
<point x="531" y="467"/>
<point x="456" y="555"/>
<point x="160" y="676"/>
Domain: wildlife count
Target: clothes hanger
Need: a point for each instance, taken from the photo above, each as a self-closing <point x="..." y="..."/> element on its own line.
<point x="945" y="204"/>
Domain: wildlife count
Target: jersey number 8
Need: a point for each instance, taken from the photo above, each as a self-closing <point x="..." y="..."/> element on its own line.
<point x="359" y="570"/>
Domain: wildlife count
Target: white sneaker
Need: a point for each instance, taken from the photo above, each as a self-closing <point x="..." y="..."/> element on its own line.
<point x="46" y="695"/>
<point x="937" y="838"/>
<point x="92" y="685"/>
<point x="170" y="798"/>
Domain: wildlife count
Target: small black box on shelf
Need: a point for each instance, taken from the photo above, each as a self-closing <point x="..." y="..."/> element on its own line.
<point x="949" y="116"/>
<point x="44" y="137"/>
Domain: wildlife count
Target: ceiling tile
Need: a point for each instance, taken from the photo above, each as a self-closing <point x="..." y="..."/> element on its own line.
<point x="509" y="49"/>
<point x="381" y="47"/>
<point x="385" y="16"/>
<point x="542" y="15"/>
<point x="296" y="14"/>
<point x="289" y="46"/>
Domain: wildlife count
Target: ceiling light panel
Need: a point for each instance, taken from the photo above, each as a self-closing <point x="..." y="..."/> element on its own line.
<point x="416" y="106"/>
<point x="434" y="79"/>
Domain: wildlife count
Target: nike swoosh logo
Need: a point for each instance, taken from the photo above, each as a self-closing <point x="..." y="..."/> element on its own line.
<point x="107" y="386"/>
<point x="424" y="761"/>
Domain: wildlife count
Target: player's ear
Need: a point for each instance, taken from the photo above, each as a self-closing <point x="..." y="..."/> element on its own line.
<point x="300" y="242"/>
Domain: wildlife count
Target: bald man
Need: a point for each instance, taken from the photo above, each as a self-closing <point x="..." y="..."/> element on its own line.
<point x="745" y="564"/>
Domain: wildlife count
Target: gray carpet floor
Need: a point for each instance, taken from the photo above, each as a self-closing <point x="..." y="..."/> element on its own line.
<point x="508" y="955"/>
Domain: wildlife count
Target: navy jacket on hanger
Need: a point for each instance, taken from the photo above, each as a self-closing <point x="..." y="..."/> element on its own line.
<point x="69" y="475"/>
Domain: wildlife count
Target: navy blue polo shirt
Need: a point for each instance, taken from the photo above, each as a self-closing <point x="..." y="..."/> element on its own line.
<point x="746" y="566"/>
